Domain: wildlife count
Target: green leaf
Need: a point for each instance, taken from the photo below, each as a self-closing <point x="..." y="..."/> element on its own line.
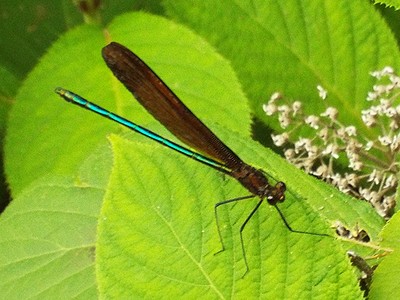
<point x="386" y="281"/>
<point x="157" y="232"/>
<point x="389" y="3"/>
<point x="48" y="234"/>
<point x="41" y="123"/>
<point x="293" y="46"/>
<point x="47" y="241"/>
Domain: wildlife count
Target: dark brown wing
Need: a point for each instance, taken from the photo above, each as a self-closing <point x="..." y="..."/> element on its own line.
<point x="164" y="105"/>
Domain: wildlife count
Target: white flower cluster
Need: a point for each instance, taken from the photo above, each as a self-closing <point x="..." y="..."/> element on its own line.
<point x="367" y="167"/>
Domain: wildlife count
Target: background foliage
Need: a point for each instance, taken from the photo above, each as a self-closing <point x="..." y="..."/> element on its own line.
<point x="82" y="188"/>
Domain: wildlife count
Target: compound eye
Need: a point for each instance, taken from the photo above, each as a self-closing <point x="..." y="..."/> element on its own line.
<point x="280" y="189"/>
<point x="277" y="193"/>
<point x="280" y="186"/>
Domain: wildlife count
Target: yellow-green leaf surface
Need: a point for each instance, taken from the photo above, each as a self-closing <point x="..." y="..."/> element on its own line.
<point x="47" y="242"/>
<point x="157" y="232"/>
<point x="46" y="135"/>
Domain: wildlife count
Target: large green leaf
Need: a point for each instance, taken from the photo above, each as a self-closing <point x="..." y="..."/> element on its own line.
<point x="46" y="135"/>
<point x="157" y="232"/>
<point x="48" y="234"/>
<point x="47" y="242"/>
